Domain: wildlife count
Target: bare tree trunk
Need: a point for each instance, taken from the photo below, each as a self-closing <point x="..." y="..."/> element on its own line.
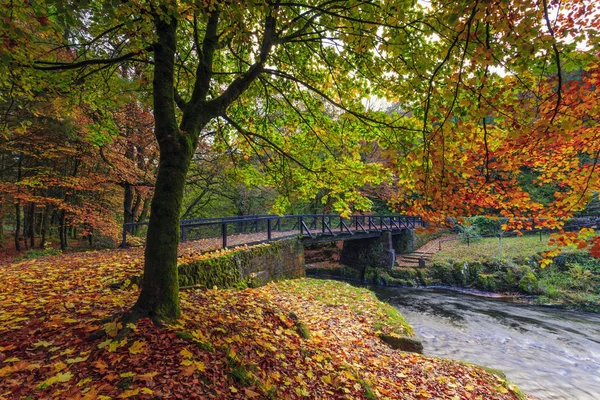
<point x="32" y="225"/>
<point x="62" y="230"/>
<point x="45" y="226"/>
<point x="17" y="226"/>
<point x="128" y="215"/>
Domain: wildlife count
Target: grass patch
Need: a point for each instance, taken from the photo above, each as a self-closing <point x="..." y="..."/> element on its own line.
<point x="37" y="253"/>
<point x="360" y="300"/>
<point x="509" y="248"/>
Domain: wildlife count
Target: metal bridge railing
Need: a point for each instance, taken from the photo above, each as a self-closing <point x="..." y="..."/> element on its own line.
<point x="278" y="226"/>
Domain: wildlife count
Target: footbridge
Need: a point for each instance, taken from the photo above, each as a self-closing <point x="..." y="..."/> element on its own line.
<point x="366" y="237"/>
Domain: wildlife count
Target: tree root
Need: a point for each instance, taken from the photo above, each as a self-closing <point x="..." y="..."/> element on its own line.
<point x="130" y="317"/>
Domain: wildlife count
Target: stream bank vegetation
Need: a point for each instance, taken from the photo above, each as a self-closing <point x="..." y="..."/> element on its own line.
<point x="300" y="338"/>
<point x="512" y="265"/>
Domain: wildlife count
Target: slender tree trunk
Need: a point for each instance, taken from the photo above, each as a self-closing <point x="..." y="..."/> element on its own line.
<point x="32" y="226"/>
<point x="62" y="230"/>
<point x="17" y="226"/>
<point x="128" y="205"/>
<point x="18" y="206"/>
<point x="144" y="214"/>
<point x="45" y="226"/>
<point x="26" y="224"/>
<point x="136" y="204"/>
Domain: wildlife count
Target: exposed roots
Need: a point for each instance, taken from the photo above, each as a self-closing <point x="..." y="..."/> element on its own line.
<point x="125" y="320"/>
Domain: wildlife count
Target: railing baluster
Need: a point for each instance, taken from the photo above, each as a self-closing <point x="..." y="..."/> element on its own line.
<point x="269" y="229"/>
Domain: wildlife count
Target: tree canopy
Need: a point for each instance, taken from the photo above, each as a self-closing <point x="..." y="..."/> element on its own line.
<point x="441" y="105"/>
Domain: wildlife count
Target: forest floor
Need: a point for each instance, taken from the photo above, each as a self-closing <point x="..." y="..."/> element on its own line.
<point x="300" y="338"/>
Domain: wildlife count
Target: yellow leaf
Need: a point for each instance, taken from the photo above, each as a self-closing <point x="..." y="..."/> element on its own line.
<point x="137" y="347"/>
<point x="56" y="378"/>
<point x="84" y="381"/>
<point x="147" y="391"/>
<point x="200" y="366"/>
<point x="233" y="389"/>
<point x="112" y="328"/>
<point x="42" y="343"/>
<point x="326" y="379"/>
<point x="76" y="360"/>
<point x="59" y="366"/>
<point x="114" y="345"/>
<point x="129" y="393"/>
<point x="186" y="353"/>
<point x="148" y="375"/>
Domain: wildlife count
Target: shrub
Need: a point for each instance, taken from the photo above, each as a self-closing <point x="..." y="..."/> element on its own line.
<point x="468" y="233"/>
<point x="487" y="225"/>
<point x="528" y="282"/>
<point x="37" y="253"/>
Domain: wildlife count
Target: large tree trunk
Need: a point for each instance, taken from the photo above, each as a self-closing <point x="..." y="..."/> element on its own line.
<point x="160" y="285"/>
<point x="159" y="298"/>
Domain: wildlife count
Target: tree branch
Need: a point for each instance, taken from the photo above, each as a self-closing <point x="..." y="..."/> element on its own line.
<point x="241" y="83"/>
<point x="556" y="59"/>
<point x="57" y="66"/>
<point x="205" y="55"/>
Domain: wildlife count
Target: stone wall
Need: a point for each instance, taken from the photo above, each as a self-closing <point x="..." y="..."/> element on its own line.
<point x="405" y="241"/>
<point x="374" y="252"/>
<point x="252" y="266"/>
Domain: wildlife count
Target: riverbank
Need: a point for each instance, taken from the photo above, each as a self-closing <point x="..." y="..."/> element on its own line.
<point x="293" y="339"/>
<point x="509" y="267"/>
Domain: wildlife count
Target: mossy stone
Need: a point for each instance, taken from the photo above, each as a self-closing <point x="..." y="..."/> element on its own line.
<point x="403" y="343"/>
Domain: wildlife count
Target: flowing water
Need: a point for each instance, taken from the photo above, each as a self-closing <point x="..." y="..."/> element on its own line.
<point x="549" y="353"/>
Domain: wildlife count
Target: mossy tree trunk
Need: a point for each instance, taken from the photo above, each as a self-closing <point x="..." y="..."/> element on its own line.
<point x="160" y="286"/>
<point x="177" y="142"/>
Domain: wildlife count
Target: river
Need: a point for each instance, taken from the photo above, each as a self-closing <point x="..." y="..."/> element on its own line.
<point x="549" y="353"/>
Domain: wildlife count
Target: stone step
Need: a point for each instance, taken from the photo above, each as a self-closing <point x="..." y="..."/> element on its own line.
<point x="415" y="258"/>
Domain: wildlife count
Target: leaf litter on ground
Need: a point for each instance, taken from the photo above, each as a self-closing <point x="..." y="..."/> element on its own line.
<point x="299" y="338"/>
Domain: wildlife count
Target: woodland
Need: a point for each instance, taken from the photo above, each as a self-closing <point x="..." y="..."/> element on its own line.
<point x="124" y="111"/>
